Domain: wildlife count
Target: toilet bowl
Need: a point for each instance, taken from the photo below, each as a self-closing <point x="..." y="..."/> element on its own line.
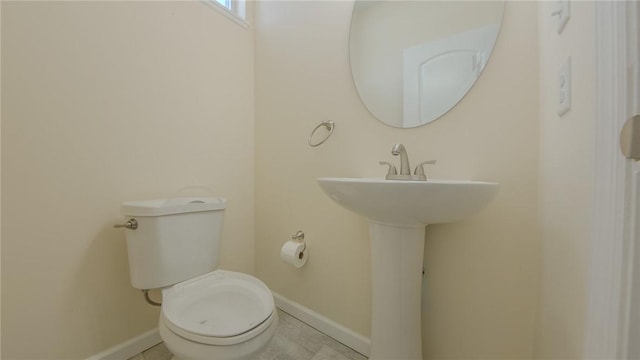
<point x="207" y="313"/>
<point x="219" y="315"/>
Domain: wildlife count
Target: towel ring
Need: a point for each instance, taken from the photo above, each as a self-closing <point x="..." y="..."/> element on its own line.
<point x="329" y="125"/>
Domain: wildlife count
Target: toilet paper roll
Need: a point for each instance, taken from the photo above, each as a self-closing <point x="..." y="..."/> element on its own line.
<point x="292" y="253"/>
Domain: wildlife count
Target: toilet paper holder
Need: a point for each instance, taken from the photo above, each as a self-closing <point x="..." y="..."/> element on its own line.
<point x="299" y="236"/>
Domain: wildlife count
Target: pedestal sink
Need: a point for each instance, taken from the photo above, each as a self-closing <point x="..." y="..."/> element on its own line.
<point x="398" y="212"/>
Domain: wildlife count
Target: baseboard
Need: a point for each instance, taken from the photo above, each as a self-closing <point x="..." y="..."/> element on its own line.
<point x="323" y="324"/>
<point x="130" y="347"/>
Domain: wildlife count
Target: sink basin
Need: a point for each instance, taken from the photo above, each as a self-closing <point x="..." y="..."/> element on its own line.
<point x="410" y="202"/>
<point x="398" y="212"/>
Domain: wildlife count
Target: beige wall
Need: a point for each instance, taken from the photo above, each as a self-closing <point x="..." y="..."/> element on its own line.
<point x="111" y="102"/>
<point x="566" y="165"/>
<point x="482" y="275"/>
<point x="0" y="174"/>
<point x="102" y="103"/>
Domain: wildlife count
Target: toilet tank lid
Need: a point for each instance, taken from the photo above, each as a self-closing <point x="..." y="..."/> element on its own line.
<point x="172" y="206"/>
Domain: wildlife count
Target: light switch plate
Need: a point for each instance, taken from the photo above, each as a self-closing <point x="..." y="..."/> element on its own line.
<point x="564" y="87"/>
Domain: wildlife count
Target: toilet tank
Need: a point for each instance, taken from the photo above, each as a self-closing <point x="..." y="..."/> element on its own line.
<point x="176" y="239"/>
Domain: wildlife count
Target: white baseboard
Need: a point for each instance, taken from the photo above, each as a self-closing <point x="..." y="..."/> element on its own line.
<point x="130" y="347"/>
<point x="323" y="324"/>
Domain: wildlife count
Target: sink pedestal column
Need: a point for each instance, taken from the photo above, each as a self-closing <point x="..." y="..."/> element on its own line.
<point x="396" y="253"/>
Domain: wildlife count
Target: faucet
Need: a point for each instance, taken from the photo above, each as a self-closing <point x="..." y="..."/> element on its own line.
<point x="405" y="168"/>
<point x="398" y="149"/>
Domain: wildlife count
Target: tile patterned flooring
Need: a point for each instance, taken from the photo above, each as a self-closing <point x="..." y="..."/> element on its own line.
<point x="294" y="340"/>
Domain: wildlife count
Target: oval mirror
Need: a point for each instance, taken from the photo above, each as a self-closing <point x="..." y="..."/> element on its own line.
<point x="412" y="61"/>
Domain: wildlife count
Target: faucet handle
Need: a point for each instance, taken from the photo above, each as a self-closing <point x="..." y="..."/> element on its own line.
<point x="420" y="169"/>
<point x="392" y="168"/>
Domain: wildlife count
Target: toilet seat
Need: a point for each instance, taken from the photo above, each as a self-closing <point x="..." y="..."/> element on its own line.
<point x="218" y="308"/>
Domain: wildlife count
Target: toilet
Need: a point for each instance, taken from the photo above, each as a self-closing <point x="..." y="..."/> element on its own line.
<point x="206" y="313"/>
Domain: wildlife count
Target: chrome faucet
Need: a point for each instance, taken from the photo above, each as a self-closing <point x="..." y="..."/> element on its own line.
<point x="405" y="168"/>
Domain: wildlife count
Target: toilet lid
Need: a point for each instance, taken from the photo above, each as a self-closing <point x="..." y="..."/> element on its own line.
<point x="220" y="304"/>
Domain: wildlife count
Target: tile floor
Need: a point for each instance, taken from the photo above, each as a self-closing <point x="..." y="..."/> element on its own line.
<point x="294" y="340"/>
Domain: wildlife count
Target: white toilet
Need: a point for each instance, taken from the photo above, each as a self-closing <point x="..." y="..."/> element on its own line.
<point x="206" y="313"/>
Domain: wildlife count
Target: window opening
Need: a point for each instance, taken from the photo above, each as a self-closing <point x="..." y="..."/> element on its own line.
<point x="235" y="9"/>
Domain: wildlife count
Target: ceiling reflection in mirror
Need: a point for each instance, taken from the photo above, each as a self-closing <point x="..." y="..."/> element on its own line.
<point x="412" y="61"/>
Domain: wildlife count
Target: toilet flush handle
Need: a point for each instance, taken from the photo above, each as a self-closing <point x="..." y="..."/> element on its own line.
<point x="130" y="224"/>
